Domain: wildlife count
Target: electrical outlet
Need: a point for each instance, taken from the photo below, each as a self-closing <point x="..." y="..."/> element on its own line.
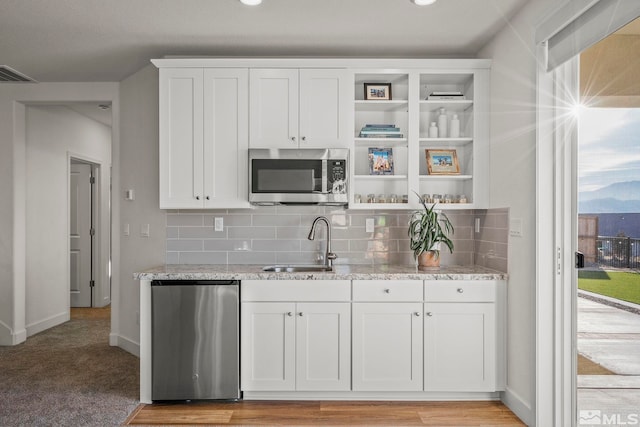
<point x="144" y="230"/>
<point x="369" y="225"/>
<point x="218" y="224"/>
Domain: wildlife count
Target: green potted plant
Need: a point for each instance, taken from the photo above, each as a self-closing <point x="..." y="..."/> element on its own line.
<point x="429" y="228"/>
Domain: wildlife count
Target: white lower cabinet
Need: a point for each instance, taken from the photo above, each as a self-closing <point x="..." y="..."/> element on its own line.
<point x="459" y="347"/>
<point x="295" y="346"/>
<point x="387" y="346"/>
<point x="373" y="336"/>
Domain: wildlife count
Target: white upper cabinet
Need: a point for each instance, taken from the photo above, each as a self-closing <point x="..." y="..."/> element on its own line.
<point x="299" y="108"/>
<point x="203" y="138"/>
<point x="181" y="138"/>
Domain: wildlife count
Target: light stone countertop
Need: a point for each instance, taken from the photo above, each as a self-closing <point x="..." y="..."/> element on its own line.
<point x="340" y="272"/>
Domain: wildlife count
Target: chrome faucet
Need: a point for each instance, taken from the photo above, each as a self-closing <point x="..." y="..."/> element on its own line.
<point x="328" y="256"/>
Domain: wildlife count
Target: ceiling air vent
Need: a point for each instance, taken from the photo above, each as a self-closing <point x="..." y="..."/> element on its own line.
<point x="9" y="75"/>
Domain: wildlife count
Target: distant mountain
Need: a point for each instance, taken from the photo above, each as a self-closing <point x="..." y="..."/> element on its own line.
<point x="609" y="206"/>
<point x="615" y="198"/>
<point x="628" y="190"/>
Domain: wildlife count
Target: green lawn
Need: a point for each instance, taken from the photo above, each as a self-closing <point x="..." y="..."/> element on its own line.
<point x="619" y="285"/>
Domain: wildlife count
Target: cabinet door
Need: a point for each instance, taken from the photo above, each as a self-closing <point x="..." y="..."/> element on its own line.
<point x="323" y="342"/>
<point x="324" y="101"/>
<point x="226" y="138"/>
<point x="459" y="347"/>
<point x="181" y="138"/>
<point x="273" y="109"/>
<point x="387" y="346"/>
<point x="268" y="347"/>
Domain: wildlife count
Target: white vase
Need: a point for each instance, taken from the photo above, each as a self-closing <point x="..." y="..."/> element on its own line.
<point x="442" y="123"/>
<point x="454" y="131"/>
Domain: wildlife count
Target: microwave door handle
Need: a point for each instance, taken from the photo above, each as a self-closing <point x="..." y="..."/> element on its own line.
<point x="325" y="188"/>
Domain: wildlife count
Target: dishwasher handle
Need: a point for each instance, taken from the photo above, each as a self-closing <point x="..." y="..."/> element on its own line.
<point x="194" y="282"/>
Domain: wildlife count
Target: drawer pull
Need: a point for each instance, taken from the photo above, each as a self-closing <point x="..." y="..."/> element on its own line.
<point x="289" y="314"/>
<point x="429" y="314"/>
<point x="387" y="291"/>
<point x="300" y="314"/>
<point x="417" y="314"/>
<point x="460" y="290"/>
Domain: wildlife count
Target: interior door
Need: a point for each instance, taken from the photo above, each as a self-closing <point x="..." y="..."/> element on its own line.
<point x="80" y="226"/>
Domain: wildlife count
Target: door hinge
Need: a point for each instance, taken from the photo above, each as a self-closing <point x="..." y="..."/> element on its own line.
<point x="92" y="232"/>
<point x="92" y="283"/>
<point x="92" y="180"/>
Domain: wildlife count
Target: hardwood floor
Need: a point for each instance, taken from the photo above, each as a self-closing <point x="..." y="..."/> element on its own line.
<point x="334" y="413"/>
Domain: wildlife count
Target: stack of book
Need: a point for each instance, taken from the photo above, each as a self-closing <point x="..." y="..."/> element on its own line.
<point x="448" y="95"/>
<point x="380" y="131"/>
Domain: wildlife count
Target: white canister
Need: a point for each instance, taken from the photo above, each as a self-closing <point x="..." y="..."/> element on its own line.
<point x="454" y="131"/>
<point x="433" y="130"/>
<point x="442" y="123"/>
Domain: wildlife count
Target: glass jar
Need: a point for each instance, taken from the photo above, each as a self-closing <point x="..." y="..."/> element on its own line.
<point x="437" y="198"/>
<point x="427" y="198"/>
<point x="393" y="198"/>
<point x="462" y="199"/>
<point x="357" y="198"/>
<point x="448" y="198"/>
<point x="380" y="198"/>
<point x="371" y="198"/>
<point x="405" y="198"/>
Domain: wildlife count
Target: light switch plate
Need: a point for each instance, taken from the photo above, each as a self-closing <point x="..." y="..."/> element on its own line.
<point x="144" y="230"/>
<point x="129" y="194"/>
<point x="125" y="230"/>
<point x="515" y="227"/>
<point x="218" y="224"/>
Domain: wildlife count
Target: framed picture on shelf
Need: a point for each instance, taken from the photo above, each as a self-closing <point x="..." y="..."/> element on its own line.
<point x="377" y="91"/>
<point x="380" y="161"/>
<point x="442" y="162"/>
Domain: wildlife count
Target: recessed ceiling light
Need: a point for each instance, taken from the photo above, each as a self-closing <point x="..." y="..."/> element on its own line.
<point x="251" y="2"/>
<point x="423" y="2"/>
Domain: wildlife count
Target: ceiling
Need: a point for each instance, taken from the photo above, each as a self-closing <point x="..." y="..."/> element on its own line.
<point x="108" y="40"/>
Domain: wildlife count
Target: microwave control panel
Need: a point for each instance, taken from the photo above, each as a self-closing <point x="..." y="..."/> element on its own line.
<point x="337" y="170"/>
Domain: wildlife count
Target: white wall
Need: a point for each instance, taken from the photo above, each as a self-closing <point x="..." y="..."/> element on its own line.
<point x="513" y="184"/>
<point x="13" y="98"/>
<point x="52" y="134"/>
<point x="139" y="171"/>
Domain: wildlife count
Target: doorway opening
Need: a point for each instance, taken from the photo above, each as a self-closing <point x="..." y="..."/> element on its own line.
<point x="608" y="224"/>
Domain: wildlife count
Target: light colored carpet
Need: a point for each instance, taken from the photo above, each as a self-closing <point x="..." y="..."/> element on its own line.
<point x="68" y="376"/>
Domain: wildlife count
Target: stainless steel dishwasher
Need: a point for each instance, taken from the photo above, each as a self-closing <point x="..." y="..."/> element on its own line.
<point x="195" y="339"/>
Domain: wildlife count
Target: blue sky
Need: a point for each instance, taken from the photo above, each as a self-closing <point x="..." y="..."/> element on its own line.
<point x="609" y="147"/>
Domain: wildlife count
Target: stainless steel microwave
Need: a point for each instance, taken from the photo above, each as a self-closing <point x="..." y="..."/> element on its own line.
<point x="298" y="176"/>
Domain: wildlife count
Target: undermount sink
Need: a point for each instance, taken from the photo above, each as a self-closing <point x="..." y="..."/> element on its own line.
<point x="297" y="268"/>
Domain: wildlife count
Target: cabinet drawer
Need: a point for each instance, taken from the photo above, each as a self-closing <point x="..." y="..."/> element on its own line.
<point x="295" y="290"/>
<point x="460" y="291"/>
<point x="387" y="290"/>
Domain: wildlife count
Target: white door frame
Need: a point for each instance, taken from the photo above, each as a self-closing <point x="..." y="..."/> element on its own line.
<point x="556" y="241"/>
<point x="80" y="205"/>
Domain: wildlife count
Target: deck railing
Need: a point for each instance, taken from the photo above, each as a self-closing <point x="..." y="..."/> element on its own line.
<point x="619" y="252"/>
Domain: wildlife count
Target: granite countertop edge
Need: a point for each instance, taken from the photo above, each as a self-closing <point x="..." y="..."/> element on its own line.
<point x="341" y="272"/>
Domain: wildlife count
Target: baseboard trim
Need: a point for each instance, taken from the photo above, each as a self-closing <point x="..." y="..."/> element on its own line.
<point x="124" y="343"/>
<point x="518" y="406"/>
<point x="49" y="322"/>
<point x="8" y="337"/>
<point x="369" y="395"/>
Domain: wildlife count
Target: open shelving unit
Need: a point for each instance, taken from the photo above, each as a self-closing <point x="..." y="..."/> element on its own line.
<point x="412" y="111"/>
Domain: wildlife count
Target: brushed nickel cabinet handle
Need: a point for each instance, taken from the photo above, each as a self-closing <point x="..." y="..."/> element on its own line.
<point x="460" y="290"/>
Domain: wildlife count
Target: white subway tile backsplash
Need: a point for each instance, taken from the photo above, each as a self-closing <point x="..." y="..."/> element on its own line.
<point x="278" y="234"/>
